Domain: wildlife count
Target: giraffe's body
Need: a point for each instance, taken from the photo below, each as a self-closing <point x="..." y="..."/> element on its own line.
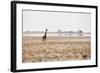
<point x="45" y="36"/>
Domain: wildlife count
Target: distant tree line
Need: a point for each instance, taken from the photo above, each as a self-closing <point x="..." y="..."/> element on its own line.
<point x="79" y="32"/>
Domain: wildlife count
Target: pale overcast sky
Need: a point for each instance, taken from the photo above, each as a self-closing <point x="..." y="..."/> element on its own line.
<point x="40" y="20"/>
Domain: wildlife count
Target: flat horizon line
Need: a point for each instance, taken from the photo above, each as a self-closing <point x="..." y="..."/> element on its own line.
<point x="53" y="32"/>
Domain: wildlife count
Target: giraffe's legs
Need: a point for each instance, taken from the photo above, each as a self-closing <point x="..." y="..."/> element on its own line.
<point x="44" y="40"/>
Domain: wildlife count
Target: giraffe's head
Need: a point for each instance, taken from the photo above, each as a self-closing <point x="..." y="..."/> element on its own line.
<point x="46" y="29"/>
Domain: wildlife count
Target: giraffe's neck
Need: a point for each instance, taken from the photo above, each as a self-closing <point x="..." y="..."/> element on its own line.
<point x="45" y="33"/>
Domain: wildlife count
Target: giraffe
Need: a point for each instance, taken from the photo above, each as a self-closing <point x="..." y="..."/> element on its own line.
<point x="45" y="36"/>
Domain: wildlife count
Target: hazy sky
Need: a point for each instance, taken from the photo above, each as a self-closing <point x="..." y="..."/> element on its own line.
<point x="40" y="20"/>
